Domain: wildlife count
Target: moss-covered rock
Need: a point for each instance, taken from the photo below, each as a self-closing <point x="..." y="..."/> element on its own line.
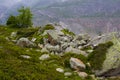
<point x="105" y="59"/>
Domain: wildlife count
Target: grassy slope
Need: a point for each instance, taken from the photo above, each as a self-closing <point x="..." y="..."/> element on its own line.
<point x="14" y="67"/>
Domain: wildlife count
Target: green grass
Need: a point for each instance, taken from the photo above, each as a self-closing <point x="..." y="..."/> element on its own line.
<point x="66" y="31"/>
<point x="14" y="67"/>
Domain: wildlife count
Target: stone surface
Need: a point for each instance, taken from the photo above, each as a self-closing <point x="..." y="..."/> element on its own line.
<point x="13" y="34"/>
<point x="26" y="56"/>
<point x="82" y="74"/>
<point x="67" y="74"/>
<point x="111" y="65"/>
<point x="60" y="70"/>
<point x="44" y="50"/>
<point x="52" y="48"/>
<point x="44" y="57"/>
<point x="77" y="64"/>
<point x="24" y="42"/>
<point x="33" y="39"/>
<point x="74" y="50"/>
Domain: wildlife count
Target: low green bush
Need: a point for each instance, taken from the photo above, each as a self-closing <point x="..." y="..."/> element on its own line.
<point x="66" y="31"/>
<point x="97" y="57"/>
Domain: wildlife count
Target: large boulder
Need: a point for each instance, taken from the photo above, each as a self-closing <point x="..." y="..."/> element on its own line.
<point x="77" y="64"/>
<point x="111" y="65"/>
<point x="109" y="58"/>
<point x="24" y="42"/>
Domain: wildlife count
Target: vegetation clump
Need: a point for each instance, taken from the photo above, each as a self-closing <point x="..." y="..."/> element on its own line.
<point x="23" y="20"/>
<point x="97" y="57"/>
<point x="66" y="31"/>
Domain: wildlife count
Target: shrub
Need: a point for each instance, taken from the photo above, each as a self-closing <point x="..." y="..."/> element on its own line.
<point x="66" y="31"/>
<point x="48" y="27"/>
<point x="97" y="57"/>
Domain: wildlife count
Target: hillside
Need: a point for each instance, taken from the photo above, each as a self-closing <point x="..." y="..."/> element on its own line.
<point x="24" y="56"/>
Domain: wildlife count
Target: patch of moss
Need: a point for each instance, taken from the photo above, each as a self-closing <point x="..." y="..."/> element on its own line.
<point x="48" y="27"/>
<point x="97" y="57"/>
<point x="66" y="31"/>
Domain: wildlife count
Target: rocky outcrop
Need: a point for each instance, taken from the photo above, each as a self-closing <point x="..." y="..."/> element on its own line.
<point x="111" y="64"/>
<point x="58" y="42"/>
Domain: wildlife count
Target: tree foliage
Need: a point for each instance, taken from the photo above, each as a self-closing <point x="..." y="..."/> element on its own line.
<point x="24" y="19"/>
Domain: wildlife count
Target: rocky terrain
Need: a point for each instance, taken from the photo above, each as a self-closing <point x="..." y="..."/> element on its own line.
<point x="53" y="52"/>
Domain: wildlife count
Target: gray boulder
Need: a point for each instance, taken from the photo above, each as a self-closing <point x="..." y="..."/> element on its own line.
<point x="77" y="64"/>
<point x="13" y="34"/>
<point x="60" y="70"/>
<point x="75" y="50"/>
<point x="44" y="50"/>
<point x="64" y="46"/>
<point x="111" y="64"/>
<point x="24" y="42"/>
<point x="82" y="74"/>
<point x="44" y="57"/>
<point x="52" y="48"/>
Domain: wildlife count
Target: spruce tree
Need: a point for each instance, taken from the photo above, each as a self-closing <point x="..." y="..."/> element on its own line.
<point x="24" y="19"/>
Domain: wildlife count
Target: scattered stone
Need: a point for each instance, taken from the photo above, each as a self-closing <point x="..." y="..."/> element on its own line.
<point x="88" y="64"/>
<point x="24" y="42"/>
<point x="33" y="39"/>
<point x="26" y="56"/>
<point x="13" y="34"/>
<point x="82" y="74"/>
<point x="52" y="48"/>
<point x="67" y="74"/>
<point x="90" y="51"/>
<point x="64" y="46"/>
<point x="40" y="45"/>
<point x="14" y="41"/>
<point x="60" y="70"/>
<point x="44" y="57"/>
<point x="44" y="50"/>
<point x="77" y="64"/>
<point x="80" y="47"/>
<point x="74" y="50"/>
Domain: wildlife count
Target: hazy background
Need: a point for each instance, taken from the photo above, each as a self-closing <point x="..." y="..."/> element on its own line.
<point x="92" y="16"/>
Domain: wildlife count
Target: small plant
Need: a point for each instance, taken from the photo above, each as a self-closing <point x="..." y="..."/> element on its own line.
<point x="66" y="31"/>
<point x="48" y="27"/>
